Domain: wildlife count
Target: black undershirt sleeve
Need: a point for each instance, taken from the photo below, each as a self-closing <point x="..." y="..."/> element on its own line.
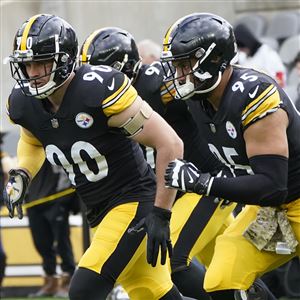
<point x="267" y="187"/>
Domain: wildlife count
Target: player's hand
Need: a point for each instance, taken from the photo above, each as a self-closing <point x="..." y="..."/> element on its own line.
<point x="15" y="190"/>
<point x="185" y="176"/>
<point x="157" y="226"/>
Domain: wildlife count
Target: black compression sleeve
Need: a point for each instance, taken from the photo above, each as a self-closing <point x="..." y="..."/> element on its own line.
<point x="195" y="146"/>
<point x="267" y="187"/>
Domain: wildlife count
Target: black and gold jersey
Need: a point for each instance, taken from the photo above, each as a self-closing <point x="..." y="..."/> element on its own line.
<point x="106" y="167"/>
<point x="149" y="85"/>
<point x="248" y="97"/>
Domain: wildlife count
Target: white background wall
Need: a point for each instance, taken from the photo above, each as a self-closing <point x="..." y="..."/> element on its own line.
<point x="144" y="19"/>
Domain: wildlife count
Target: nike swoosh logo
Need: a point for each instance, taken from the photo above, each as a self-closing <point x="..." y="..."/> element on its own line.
<point x="112" y="86"/>
<point x="252" y="95"/>
<point x="191" y="178"/>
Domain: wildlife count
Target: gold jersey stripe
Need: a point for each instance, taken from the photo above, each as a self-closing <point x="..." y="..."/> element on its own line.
<point x="167" y="88"/>
<point x="87" y="43"/>
<point x="49" y="198"/>
<point x="270" y="103"/>
<point x="253" y="103"/>
<point x="167" y="92"/>
<point x="121" y="99"/>
<point x="26" y="31"/>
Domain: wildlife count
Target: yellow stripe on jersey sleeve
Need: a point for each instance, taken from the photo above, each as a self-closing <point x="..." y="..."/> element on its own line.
<point x="120" y="100"/>
<point x="167" y="92"/>
<point x="267" y="102"/>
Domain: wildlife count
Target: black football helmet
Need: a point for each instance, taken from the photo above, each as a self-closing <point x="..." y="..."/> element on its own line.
<point x="42" y="38"/>
<point x="207" y="44"/>
<point x="114" y="47"/>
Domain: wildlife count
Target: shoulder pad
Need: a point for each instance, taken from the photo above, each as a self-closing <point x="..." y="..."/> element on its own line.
<point x="260" y="93"/>
<point x="150" y="78"/>
<point x="16" y="104"/>
<point x="149" y="84"/>
<point x="94" y="84"/>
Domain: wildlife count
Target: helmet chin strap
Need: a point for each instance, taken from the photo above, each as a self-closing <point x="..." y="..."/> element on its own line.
<point x="44" y="91"/>
<point x="187" y="90"/>
<point x="212" y="87"/>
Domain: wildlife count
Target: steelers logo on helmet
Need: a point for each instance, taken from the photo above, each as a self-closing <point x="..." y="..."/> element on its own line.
<point x="203" y="45"/>
<point x="44" y="38"/>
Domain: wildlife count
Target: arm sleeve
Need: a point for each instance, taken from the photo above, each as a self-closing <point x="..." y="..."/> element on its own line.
<point x="30" y="153"/>
<point x="267" y="187"/>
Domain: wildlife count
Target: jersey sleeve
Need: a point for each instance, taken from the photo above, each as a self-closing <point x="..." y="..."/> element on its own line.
<point x="119" y="94"/>
<point x="30" y="153"/>
<point x="267" y="101"/>
<point x="8" y="111"/>
<point x="167" y="92"/>
<point x="16" y="106"/>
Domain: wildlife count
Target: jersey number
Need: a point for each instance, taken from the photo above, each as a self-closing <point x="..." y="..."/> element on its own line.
<point x="238" y="85"/>
<point x="76" y="149"/>
<point x="90" y="76"/>
<point x="228" y="161"/>
<point x="152" y="69"/>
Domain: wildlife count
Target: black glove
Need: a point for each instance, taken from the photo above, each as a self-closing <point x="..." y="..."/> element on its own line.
<point x="157" y="226"/>
<point x="15" y="190"/>
<point x="185" y="176"/>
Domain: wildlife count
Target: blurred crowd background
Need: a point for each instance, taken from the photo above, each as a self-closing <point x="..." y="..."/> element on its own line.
<point x="276" y="23"/>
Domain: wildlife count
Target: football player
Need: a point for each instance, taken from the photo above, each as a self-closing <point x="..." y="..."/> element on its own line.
<point x="90" y="121"/>
<point x="116" y="47"/>
<point x="251" y="125"/>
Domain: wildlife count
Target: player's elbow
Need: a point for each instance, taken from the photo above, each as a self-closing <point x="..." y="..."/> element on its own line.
<point x="177" y="146"/>
<point x="276" y="198"/>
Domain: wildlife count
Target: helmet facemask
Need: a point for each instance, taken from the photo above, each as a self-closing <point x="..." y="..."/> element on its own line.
<point x="58" y="74"/>
<point x="205" y="71"/>
<point x="128" y="66"/>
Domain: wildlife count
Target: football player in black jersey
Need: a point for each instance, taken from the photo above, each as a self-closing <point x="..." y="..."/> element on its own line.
<point x="116" y="47"/>
<point x="90" y="122"/>
<point x="252" y="126"/>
